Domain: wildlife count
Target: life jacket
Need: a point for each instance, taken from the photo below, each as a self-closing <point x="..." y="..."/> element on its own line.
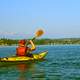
<point x="21" y="51"/>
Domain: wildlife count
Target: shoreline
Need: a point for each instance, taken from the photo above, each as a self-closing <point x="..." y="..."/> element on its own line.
<point x="63" y="41"/>
<point x="44" y="45"/>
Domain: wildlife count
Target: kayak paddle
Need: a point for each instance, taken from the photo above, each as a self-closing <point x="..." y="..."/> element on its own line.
<point x="38" y="33"/>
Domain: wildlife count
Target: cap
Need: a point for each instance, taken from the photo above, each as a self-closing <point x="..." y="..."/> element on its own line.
<point x="22" y="41"/>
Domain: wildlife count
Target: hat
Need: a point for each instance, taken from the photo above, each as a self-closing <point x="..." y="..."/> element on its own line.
<point x="22" y="41"/>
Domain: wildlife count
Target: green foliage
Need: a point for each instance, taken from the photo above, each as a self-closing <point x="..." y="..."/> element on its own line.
<point x="43" y="41"/>
<point x="9" y="42"/>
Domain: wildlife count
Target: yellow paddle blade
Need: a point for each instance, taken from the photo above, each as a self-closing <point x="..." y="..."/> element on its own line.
<point x="39" y="33"/>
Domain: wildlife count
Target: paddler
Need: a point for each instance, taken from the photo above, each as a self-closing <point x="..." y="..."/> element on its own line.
<point x="22" y="49"/>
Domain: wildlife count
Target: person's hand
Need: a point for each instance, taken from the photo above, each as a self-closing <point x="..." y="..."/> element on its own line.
<point x="30" y="41"/>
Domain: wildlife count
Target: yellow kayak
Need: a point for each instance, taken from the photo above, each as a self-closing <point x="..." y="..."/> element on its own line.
<point x="24" y="58"/>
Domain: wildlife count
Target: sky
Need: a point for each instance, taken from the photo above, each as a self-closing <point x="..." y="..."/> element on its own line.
<point x="58" y="18"/>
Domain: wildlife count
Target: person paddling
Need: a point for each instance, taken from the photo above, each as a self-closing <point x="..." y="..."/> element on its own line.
<point x="22" y="49"/>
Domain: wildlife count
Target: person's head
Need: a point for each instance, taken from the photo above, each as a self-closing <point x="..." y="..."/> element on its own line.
<point x="22" y="42"/>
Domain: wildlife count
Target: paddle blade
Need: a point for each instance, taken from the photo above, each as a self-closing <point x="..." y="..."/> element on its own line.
<point x="39" y="33"/>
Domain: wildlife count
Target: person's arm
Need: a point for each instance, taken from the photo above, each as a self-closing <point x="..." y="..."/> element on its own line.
<point x="33" y="46"/>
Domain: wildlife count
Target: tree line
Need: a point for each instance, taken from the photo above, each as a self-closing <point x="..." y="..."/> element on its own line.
<point x="63" y="41"/>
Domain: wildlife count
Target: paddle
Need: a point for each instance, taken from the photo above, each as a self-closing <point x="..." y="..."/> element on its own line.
<point x="38" y="33"/>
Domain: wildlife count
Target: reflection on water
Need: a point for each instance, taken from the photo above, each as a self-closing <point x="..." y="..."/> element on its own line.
<point x="21" y="71"/>
<point x="23" y="68"/>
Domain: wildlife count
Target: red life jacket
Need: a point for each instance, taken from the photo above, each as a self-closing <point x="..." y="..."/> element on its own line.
<point x="21" y="51"/>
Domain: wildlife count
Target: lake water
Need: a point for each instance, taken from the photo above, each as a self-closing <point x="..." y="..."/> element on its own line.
<point x="62" y="63"/>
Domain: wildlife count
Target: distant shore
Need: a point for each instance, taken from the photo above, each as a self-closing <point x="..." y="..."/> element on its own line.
<point x="62" y="41"/>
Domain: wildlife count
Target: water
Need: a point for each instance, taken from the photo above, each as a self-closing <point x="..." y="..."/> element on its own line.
<point x="62" y="63"/>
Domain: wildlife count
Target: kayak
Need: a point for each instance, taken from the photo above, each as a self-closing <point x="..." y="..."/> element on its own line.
<point x="38" y="56"/>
